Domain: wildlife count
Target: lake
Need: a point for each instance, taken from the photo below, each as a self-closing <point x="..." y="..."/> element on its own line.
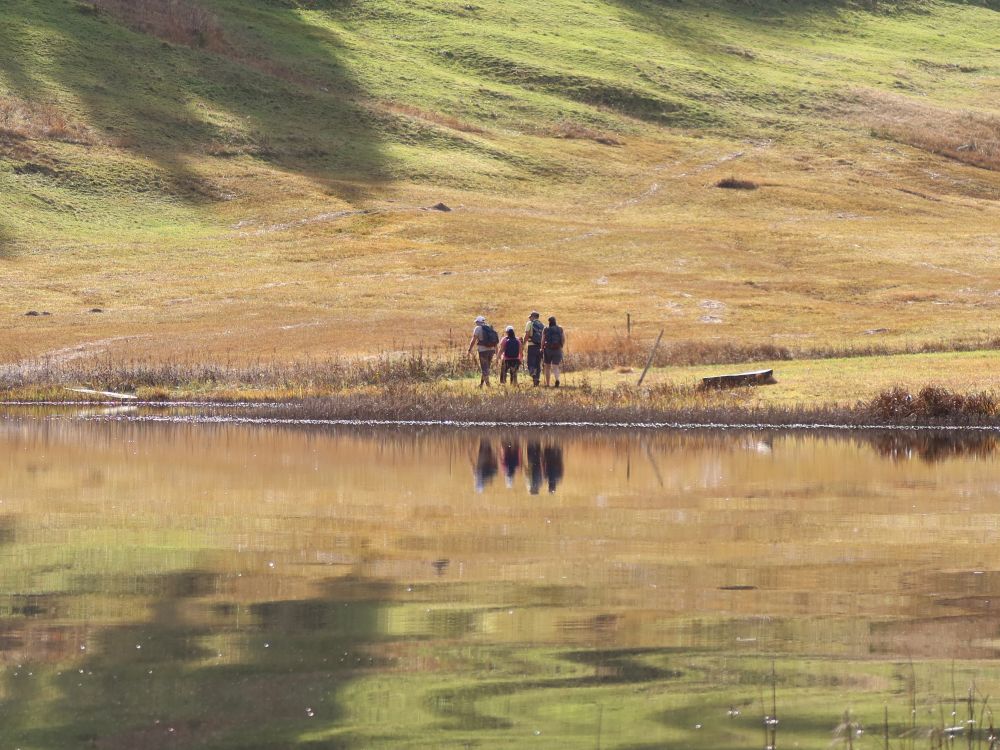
<point x="188" y="585"/>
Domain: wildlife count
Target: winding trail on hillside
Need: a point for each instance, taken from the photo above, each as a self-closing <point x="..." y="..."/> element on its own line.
<point x="655" y="186"/>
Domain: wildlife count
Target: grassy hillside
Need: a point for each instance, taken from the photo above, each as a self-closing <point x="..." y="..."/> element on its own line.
<point x="234" y="178"/>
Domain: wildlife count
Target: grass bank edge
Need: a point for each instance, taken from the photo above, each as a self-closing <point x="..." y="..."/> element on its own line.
<point x="663" y="404"/>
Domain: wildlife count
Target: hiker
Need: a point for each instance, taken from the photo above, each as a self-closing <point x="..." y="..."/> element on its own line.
<point x="485" y="339"/>
<point x="553" y="340"/>
<point x="533" y="345"/>
<point x="510" y="356"/>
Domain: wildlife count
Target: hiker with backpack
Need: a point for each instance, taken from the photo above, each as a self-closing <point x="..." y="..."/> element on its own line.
<point x="553" y="340"/>
<point x="533" y="331"/>
<point x="485" y="339"/>
<point x="510" y="356"/>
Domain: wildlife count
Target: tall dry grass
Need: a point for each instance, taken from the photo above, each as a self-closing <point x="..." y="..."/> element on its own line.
<point x="620" y="351"/>
<point x="33" y="120"/>
<point x="621" y="404"/>
<point x="966" y="136"/>
<point x="185" y="22"/>
<point x="178" y="21"/>
<point x="571" y="130"/>
<point x="437" y="118"/>
<point x="931" y="403"/>
<point x="193" y="373"/>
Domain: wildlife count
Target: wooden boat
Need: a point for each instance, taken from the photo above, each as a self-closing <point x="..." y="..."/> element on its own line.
<point x="757" y="377"/>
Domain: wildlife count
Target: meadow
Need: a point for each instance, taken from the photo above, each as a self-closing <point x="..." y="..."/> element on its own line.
<point x="224" y="183"/>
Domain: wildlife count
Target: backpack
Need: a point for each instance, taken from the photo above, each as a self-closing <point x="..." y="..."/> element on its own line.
<point x="511" y="348"/>
<point x="488" y="335"/>
<point x="554" y="337"/>
<point x="536" y="332"/>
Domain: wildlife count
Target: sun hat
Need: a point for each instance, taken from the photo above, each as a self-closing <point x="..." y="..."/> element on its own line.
<point x="535" y="314"/>
<point x="509" y="329"/>
<point x="480" y="319"/>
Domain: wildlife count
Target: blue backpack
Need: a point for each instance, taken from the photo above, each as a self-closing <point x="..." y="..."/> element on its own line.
<point x="511" y="348"/>
<point x="536" y="332"/>
<point x="554" y="337"/>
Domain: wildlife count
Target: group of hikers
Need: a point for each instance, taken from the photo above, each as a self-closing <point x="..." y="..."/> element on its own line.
<point x="541" y="346"/>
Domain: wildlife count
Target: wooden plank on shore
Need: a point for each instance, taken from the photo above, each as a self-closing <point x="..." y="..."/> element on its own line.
<point x="756" y="377"/>
<point x="109" y="394"/>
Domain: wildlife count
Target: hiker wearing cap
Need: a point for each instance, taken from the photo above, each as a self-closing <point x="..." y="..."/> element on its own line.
<point x="553" y="340"/>
<point x="485" y="339"/>
<point x="510" y="356"/>
<point x="533" y="331"/>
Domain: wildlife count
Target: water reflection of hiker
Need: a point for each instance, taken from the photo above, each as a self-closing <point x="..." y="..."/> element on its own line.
<point x="552" y="460"/>
<point x="533" y="472"/>
<point x="510" y="459"/>
<point x="485" y="467"/>
<point x="533" y="346"/>
<point x="485" y="339"/>
<point x="553" y="340"/>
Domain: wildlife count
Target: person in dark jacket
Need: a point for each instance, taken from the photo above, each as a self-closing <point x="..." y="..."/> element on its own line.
<point x="533" y="331"/>
<point x="553" y="341"/>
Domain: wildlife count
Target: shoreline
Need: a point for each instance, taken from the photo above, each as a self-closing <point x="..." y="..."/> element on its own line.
<point x="909" y="391"/>
<point x="483" y="413"/>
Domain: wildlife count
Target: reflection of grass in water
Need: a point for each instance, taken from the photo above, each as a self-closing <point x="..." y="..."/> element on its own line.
<point x="707" y="702"/>
<point x="224" y="673"/>
<point x="932" y="446"/>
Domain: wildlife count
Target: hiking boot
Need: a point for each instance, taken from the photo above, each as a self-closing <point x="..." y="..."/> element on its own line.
<point x="557" y="384"/>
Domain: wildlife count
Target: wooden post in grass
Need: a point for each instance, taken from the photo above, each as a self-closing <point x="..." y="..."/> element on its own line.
<point x="651" y="355"/>
<point x="628" y="324"/>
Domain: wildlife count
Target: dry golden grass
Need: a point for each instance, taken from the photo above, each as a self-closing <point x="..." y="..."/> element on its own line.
<point x="964" y="135"/>
<point x="34" y="120"/>
<point x="818" y="262"/>
<point x="178" y="21"/>
<point x="436" y="118"/>
<point x="575" y="130"/>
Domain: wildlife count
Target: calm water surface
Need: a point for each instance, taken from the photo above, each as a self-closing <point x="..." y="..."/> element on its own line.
<point x="238" y="586"/>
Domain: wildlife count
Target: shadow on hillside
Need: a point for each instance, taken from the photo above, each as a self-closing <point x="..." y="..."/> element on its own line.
<point x="281" y="96"/>
<point x="762" y="10"/>
<point x="6" y="243"/>
<point x="686" y="26"/>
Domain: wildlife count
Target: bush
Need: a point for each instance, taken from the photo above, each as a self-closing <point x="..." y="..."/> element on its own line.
<point x="733" y="183"/>
<point x="933" y="402"/>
